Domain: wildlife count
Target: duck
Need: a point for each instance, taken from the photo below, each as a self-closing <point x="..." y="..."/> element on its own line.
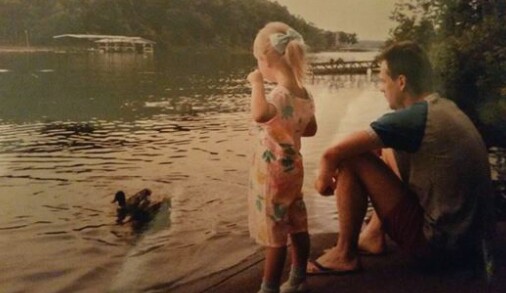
<point x="183" y="108"/>
<point x="138" y="207"/>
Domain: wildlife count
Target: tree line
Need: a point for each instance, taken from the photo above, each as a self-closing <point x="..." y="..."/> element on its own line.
<point x="466" y="41"/>
<point x="202" y="24"/>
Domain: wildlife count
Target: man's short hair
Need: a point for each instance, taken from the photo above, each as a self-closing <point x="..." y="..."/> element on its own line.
<point x="409" y="59"/>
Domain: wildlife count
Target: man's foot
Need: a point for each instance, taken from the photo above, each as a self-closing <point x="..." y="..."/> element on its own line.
<point x="331" y="262"/>
<point x="316" y="269"/>
<point x="369" y="244"/>
<point x="372" y="242"/>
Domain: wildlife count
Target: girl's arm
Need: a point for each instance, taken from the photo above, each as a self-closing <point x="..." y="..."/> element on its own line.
<point x="311" y="128"/>
<point x="261" y="110"/>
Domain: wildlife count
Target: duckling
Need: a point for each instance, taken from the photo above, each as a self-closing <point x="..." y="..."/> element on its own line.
<point x="138" y="207"/>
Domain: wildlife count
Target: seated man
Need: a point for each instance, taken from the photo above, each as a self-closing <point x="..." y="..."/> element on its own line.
<point x="436" y="208"/>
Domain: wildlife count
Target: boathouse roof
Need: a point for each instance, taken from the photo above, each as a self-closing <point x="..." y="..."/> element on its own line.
<point x="126" y="40"/>
<point x="106" y="38"/>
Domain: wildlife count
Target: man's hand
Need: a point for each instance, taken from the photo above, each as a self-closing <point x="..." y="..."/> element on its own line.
<point x="325" y="184"/>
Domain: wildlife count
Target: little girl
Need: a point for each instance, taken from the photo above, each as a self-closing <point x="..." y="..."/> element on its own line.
<point x="276" y="208"/>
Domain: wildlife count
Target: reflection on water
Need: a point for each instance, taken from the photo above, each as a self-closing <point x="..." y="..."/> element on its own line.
<point x="58" y="87"/>
<point x="74" y="129"/>
<point x="336" y="82"/>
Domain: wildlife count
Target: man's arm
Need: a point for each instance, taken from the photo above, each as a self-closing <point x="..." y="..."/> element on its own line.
<point x="352" y="145"/>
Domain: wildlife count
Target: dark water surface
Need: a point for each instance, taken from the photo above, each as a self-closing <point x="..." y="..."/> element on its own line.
<point x="81" y="87"/>
<point x="74" y="128"/>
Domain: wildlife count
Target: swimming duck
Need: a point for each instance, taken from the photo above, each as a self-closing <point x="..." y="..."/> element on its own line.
<point x="138" y="207"/>
<point x="182" y="107"/>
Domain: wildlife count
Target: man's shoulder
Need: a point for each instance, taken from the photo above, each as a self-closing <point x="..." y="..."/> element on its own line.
<point x="414" y="113"/>
<point x="403" y="129"/>
<point x="435" y="101"/>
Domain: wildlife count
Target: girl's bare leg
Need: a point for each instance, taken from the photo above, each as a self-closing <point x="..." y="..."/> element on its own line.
<point x="300" y="249"/>
<point x="299" y="254"/>
<point x="274" y="264"/>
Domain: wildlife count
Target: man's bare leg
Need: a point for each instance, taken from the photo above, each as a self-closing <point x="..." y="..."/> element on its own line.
<point x="372" y="238"/>
<point x="358" y="177"/>
<point x="351" y="206"/>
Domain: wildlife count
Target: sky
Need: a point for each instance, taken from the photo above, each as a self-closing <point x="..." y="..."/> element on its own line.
<point x="369" y="19"/>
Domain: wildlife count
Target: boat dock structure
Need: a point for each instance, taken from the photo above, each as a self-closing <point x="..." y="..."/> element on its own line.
<point x="111" y="43"/>
<point x="343" y="67"/>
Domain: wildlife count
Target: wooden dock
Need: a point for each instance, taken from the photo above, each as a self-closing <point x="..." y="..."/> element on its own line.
<point x="391" y="272"/>
<point x="343" y="67"/>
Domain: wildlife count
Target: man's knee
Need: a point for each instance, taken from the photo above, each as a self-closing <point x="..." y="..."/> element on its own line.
<point x="358" y="162"/>
<point x="375" y="178"/>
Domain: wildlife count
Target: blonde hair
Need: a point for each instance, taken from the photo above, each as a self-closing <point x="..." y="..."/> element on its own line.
<point x="294" y="55"/>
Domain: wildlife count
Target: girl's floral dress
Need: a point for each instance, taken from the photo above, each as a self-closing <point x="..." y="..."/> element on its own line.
<point x="276" y="207"/>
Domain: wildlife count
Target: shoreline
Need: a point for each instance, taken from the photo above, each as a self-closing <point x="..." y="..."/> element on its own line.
<point x="73" y="49"/>
<point x="203" y="50"/>
<point x="26" y="49"/>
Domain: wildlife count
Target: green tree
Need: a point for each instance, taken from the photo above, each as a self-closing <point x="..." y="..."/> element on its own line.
<point x="466" y="41"/>
<point x="345" y="38"/>
<point x="199" y="24"/>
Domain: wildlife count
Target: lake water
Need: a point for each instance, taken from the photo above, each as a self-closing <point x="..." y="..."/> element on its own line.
<point x="75" y="128"/>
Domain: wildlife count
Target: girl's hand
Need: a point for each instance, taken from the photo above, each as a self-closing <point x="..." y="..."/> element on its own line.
<point x="261" y="110"/>
<point x="255" y="77"/>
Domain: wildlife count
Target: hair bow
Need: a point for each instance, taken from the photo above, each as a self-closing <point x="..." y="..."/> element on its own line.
<point x="279" y="41"/>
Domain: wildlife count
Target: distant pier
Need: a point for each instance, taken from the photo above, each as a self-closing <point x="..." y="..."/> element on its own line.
<point x="343" y="67"/>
